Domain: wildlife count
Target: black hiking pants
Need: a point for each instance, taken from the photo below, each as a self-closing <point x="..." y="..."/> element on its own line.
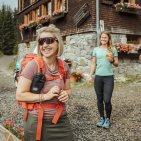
<point x="104" y="87"/>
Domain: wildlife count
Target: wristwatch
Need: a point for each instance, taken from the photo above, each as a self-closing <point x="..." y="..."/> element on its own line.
<point x="112" y="61"/>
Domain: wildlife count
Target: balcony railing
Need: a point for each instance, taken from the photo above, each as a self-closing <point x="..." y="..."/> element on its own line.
<point x="34" y="23"/>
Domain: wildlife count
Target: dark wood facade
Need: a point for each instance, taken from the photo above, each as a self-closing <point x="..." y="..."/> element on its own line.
<point x="76" y="16"/>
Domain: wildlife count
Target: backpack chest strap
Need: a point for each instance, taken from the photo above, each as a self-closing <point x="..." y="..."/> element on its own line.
<point x="54" y="77"/>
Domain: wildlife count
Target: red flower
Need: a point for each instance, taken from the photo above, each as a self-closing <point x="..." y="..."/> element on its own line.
<point x="9" y="123"/>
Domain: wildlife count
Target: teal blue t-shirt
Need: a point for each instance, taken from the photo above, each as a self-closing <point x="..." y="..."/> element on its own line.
<point x="103" y="65"/>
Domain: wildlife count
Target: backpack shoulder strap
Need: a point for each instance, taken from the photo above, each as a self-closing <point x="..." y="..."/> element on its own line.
<point x="41" y="65"/>
<point x="62" y="69"/>
<point x="28" y="57"/>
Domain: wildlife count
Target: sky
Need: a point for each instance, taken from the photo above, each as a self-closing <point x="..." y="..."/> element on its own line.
<point x="11" y="3"/>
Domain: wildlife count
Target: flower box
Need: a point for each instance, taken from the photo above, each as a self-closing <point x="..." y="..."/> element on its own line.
<point x="32" y="24"/>
<point x="58" y="15"/>
<point x="77" y="76"/>
<point x="23" y="26"/>
<point x="43" y="19"/>
<point x="127" y="48"/>
<point x="107" y="2"/>
<point x="127" y="8"/>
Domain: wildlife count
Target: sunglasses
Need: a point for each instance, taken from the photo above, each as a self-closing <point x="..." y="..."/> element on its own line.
<point x="47" y="40"/>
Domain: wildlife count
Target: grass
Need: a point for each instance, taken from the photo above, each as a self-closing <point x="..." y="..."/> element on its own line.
<point x="132" y="78"/>
<point x="118" y="83"/>
<point x="12" y="65"/>
<point x="1" y="54"/>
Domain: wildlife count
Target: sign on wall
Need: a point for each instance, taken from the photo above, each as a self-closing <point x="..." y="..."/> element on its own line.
<point x="102" y="25"/>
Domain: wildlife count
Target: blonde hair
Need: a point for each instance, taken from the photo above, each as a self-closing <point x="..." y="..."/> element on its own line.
<point x="110" y="48"/>
<point x="56" y="32"/>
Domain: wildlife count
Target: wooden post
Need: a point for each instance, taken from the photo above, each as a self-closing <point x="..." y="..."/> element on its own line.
<point x="133" y="1"/>
<point x="121" y="1"/>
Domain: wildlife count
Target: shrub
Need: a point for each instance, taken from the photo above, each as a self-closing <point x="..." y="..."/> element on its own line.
<point x="77" y="75"/>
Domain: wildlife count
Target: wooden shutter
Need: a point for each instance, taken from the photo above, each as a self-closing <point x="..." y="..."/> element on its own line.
<point x="26" y="19"/>
<point x="44" y="9"/>
<point x="33" y="15"/>
<point x="81" y="15"/>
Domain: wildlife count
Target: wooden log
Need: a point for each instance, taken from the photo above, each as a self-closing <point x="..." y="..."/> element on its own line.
<point x="6" y="135"/>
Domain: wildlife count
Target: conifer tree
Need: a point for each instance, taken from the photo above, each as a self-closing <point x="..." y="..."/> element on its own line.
<point x="8" y="30"/>
<point x="8" y="37"/>
<point x="2" y="20"/>
<point x="15" y="21"/>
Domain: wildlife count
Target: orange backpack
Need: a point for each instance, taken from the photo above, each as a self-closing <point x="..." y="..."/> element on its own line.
<point x="39" y="106"/>
<point x="30" y="56"/>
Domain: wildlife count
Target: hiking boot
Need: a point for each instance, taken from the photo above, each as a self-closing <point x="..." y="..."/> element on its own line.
<point x="106" y="123"/>
<point x="100" y="122"/>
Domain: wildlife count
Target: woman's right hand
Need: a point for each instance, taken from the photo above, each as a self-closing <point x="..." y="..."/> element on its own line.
<point x="53" y="92"/>
<point x="90" y="79"/>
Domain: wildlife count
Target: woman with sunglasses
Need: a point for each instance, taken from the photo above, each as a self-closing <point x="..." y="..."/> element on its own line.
<point x="55" y="91"/>
<point x="104" y="57"/>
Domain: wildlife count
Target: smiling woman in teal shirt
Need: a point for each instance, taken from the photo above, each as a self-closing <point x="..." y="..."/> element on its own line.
<point x="104" y="66"/>
<point x="104" y="58"/>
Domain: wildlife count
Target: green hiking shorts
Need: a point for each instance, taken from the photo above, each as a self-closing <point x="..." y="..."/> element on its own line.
<point x="50" y="132"/>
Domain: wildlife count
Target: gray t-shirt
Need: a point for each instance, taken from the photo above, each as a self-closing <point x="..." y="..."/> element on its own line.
<point x="30" y="70"/>
<point x="103" y="65"/>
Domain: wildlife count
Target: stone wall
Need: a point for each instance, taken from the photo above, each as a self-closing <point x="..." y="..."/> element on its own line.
<point x="25" y="48"/>
<point x="78" y="49"/>
<point x="127" y="69"/>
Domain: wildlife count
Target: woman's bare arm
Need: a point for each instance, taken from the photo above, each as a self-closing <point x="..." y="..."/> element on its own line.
<point x="92" y="68"/>
<point x="115" y="63"/>
<point x="23" y="92"/>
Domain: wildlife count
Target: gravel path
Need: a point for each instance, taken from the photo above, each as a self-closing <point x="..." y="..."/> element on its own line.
<point x="82" y="109"/>
<point x="125" y="120"/>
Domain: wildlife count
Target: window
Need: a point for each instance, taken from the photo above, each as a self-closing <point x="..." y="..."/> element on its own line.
<point x="49" y="5"/>
<point x="133" y="39"/>
<point x="46" y="9"/>
<point x="60" y="6"/>
<point x="37" y="12"/>
<point x="27" y="44"/>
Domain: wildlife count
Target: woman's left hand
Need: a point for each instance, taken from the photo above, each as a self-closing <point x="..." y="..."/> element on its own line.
<point x="63" y="96"/>
<point x="109" y="56"/>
